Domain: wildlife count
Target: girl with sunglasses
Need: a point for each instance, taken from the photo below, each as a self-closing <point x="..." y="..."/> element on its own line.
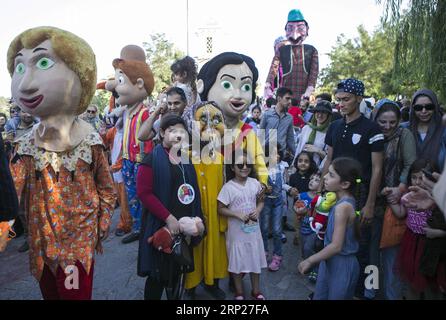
<point x="240" y="200"/>
<point x="425" y="124"/>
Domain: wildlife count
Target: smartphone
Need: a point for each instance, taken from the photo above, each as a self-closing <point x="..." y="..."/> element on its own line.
<point x="429" y="175"/>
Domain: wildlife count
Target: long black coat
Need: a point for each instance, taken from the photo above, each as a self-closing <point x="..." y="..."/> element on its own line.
<point x="151" y="262"/>
<point x="9" y="203"/>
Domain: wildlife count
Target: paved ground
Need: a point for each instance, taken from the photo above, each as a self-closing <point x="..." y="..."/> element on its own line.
<point x="116" y="279"/>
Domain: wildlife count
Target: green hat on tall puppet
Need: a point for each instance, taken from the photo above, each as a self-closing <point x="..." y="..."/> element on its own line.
<point x="296" y="15"/>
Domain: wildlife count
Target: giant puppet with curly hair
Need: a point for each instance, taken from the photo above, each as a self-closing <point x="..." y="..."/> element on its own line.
<point x="60" y="164"/>
<point x="295" y="65"/>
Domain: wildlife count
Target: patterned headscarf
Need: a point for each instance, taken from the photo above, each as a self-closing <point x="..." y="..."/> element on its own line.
<point x="351" y="85"/>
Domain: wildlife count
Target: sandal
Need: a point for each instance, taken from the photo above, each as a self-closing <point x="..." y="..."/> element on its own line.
<point x="258" y="296"/>
<point x="239" y="297"/>
<point x="275" y="263"/>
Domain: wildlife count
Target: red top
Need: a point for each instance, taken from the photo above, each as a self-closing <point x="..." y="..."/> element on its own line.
<point x="144" y="190"/>
<point x="296" y="112"/>
<point x="133" y="147"/>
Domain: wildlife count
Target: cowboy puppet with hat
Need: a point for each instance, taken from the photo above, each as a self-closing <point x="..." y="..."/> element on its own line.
<point x="295" y="65"/>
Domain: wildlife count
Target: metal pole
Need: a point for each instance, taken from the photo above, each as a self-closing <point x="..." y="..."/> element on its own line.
<point x="187" y="23"/>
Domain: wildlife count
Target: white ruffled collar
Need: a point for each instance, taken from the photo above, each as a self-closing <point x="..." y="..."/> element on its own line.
<point x="67" y="159"/>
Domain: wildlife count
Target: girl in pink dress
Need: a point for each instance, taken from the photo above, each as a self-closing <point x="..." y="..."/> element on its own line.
<point x="241" y="201"/>
<point x="414" y="258"/>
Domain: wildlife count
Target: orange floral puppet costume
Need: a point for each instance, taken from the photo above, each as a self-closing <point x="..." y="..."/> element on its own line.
<point x="60" y="165"/>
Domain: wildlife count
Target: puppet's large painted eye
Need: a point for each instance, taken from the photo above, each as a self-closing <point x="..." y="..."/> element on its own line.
<point x="20" y="68"/>
<point x="246" y="87"/>
<point x="121" y="80"/>
<point x="226" y="84"/>
<point x="217" y="120"/>
<point x="44" y="63"/>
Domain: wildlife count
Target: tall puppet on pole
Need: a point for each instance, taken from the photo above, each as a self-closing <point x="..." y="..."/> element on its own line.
<point x="61" y="164"/>
<point x="133" y="83"/>
<point x="295" y="65"/>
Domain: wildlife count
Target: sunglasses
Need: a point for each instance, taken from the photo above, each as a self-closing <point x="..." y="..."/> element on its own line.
<point x="91" y="112"/>
<point x="242" y="165"/>
<point x="420" y="107"/>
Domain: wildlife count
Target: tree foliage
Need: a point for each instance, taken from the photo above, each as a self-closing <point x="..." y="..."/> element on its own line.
<point x="160" y="55"/>
<point x="368" y="57"/>
<point x="4" y="105"/>
<point x="101" y="98"/>
<point x="420" y="48"/>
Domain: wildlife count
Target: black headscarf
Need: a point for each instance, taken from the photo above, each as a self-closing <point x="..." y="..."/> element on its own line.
<point x="428" y="148"/>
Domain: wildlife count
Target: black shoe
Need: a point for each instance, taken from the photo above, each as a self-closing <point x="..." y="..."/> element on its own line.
<point x="24" y="247"/>
<point x="134" y="236"/>
<point x="215" y="292"/>
<point x="310" y="296"/>
<point x="296" y="241"/>
<point x="288" y="227"/>
<point x="120" y="232"/>
<point x="190" y="294"/>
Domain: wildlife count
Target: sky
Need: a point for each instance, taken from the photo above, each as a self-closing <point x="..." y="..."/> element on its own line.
<point x="245" y="26"/>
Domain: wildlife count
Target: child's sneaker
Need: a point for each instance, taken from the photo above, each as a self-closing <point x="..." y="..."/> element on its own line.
<point x="275" y="263"/>
<point x="283" y="238"/>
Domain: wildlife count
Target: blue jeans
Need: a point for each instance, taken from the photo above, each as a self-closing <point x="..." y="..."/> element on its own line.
<point x="392" y="283"/>
<point x="272" y="211"/>
<point x="308" y="243"/>
<point x="368" y="254"/>
<point x="286" y="207"/>
<point x="129" y="173"/>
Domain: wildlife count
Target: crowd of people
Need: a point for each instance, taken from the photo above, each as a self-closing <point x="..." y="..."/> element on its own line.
<point x="359" y="184"/>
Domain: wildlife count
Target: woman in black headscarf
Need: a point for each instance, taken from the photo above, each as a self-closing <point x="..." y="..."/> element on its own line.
<point x="425" y="124"/>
